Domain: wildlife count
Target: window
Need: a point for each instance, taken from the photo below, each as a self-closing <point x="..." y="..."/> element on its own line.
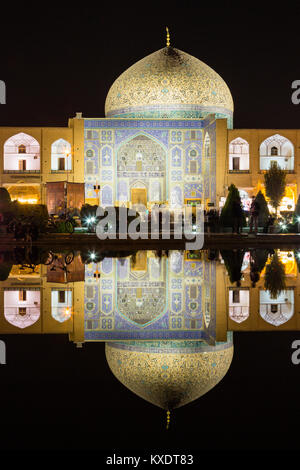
<point x="193" y="292"/>
<point x="21" y="149"/>
<point x="193" y="167"/>
<point x="22" y="295"/>
<point x="236" y="163"/>
<point x="207" y="145"/>
<point x="235" y="296"/>
<point x="89" y="291"/>
<point x="193" y="324"/>
<point x="89" y="135"/>
<point x="61" y="163"/>
<point x="274" y="151"/>
<point x="61" y="296"/>
<point x="22" y="311"/>
<point x="90" y="168"/>
<point x="238" y="155"/>
<point x="193" y="135"/>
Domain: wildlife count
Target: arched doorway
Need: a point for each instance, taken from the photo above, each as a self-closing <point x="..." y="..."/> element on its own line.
<point x="141" y="172"/>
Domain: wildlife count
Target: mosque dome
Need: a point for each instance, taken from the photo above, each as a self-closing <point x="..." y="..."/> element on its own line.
<point x="169" y="83"/>
<point x="168" y="373"/>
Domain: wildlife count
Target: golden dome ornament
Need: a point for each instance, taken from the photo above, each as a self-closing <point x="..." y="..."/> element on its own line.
<point x="168" y="419"/>
<point x="168" y="36"/>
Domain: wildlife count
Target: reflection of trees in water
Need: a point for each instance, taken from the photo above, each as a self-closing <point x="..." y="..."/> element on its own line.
<point x="258" y="259"/>
<point x="297" y="254"/>
<point x="5" y="265"/>
<point x="233" y="260"/>
<point x="275" y="277"/>
<point x="29" y="257"/>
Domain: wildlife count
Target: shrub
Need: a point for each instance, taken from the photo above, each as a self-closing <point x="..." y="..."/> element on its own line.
<point x="35" y="213"/>
<point x="226" y="218"/>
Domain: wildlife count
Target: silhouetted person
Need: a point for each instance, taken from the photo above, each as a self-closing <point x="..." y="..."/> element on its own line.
<point x="237" y="213"/>
<point x="269" y="222"/>
<point x="254" y="213"/>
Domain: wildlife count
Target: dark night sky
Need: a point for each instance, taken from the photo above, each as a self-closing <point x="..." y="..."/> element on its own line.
<point x="65" y="61"/>
<point x="55" y="396"/>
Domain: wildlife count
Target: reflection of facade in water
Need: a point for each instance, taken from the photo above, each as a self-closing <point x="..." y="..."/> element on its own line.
<point x="147" y="297"/>
<point x="167" y="322"/>
<point x="35" y="299"/>
<point x="180" y="296"/>
<point x="253" y="308"/>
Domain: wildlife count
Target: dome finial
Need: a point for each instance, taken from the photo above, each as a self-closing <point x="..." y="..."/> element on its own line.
<point x="168" y="36"/>
<point x="168" y="419"/>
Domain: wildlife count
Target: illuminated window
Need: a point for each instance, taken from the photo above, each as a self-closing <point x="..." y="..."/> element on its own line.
<point x="279" y="147"/>
<point x="238" y="155"/>
<point x="25" y="145"/>
<point x="61" y="304"/>
<point x="61" y="155"/>
<point x="279" y="310"/>
<point x="21" y="306"/>
<point x="239" y="304"/>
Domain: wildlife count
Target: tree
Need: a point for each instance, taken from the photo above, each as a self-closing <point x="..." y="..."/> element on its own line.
<point x="226" y="218"/>
<point x="4" y="197"/>
<point x="263" y="209"/>
<point x="275" y="184"/>
<point x="5" y="205"/>
<point x="275" y="277"/>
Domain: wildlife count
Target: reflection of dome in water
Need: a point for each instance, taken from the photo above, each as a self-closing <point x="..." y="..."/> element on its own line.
<point x="169" y="83"/>
<point x="168" y="373"/>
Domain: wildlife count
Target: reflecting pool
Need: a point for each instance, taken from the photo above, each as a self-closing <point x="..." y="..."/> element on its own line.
<point x="167" y="317"/>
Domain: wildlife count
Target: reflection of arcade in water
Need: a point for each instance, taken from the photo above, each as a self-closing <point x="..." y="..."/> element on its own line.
<point x="146" y="295"/>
